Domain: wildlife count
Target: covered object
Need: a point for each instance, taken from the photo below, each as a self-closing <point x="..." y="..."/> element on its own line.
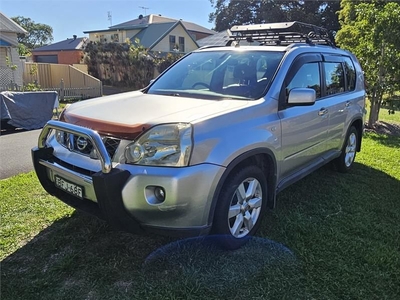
<point x="27" y="110"/>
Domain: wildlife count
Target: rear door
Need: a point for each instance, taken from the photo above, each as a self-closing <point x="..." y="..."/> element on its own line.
<point x="339" y="74"/>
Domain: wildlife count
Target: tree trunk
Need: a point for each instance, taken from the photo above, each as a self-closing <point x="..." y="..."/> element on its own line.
<point x="377" y="92"/>
<point x="374" y="110"/>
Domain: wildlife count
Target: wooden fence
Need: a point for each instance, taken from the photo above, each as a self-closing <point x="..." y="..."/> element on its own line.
<point x="67" y="80"/>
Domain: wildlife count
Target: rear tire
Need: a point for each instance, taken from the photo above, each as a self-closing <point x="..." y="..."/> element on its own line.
<point x="346" y="159"/>
<point x="241" y="205"/>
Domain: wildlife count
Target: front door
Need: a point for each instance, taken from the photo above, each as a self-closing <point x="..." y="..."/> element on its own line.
<point x="304" y="128"/>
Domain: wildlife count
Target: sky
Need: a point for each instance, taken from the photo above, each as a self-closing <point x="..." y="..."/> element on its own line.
<point x="73" y="17"/>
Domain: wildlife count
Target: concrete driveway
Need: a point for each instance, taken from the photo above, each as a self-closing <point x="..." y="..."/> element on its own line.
<point x="15" y="151"/>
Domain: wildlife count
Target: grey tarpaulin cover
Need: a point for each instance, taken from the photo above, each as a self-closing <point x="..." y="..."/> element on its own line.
<point x="28" y="110"/>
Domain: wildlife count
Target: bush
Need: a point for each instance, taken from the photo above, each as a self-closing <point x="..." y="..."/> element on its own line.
<point x="126" y="65"/>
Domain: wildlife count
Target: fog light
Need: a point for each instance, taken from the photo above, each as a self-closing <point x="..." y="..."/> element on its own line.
<point x="154" y="194"/>
<point x="159" y="193"/>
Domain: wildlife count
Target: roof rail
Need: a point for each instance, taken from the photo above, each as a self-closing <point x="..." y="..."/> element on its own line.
<point x="284" y="33"/>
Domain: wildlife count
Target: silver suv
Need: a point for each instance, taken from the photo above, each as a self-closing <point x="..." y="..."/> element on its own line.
<point x="206" y="147"/>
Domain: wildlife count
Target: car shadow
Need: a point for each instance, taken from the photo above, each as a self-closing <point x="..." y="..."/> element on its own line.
<point x="77" y="251"/>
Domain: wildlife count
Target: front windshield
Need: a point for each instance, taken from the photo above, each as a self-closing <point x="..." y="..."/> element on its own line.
<point x="232" y="74"/>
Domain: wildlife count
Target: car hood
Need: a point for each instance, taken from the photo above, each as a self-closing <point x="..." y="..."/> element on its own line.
<point x="126" y="115"/>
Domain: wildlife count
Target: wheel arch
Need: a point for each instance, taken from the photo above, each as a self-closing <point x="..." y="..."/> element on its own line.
<point x="262" y="157"/>
<point x="359" y="126"/>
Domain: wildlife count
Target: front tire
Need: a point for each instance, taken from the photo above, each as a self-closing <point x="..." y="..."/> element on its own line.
<point x="346" y="159"/>
<point x="241" y="205"/>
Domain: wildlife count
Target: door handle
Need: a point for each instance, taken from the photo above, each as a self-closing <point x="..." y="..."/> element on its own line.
<point x="322" y="112"/>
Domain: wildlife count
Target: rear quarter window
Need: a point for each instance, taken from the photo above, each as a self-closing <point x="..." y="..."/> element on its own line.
<point x="350" y="72"/>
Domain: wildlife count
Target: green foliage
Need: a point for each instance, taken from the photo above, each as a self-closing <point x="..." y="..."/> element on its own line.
<point x="31" y="87"/>
<point x="23" y="50"/>
<point x="372" y="32"/>
<point x="33" y="69"/>
<point x="10" y="64"/>
<point x="163" y="62"/>
<point x="38" y="34"/>
<point x="237" y="12"/>
<point x="347" y="13"/>
<point x="126" y="65"/>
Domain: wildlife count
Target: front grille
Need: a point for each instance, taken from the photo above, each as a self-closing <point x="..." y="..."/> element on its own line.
<point x="84" y="146"/>
<point x="111" y="145"/>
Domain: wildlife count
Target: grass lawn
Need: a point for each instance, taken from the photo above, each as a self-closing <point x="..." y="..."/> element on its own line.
<point x="332" y="236"/>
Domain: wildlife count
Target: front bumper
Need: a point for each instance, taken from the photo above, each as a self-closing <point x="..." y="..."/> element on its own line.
<point x="121" y="193"/>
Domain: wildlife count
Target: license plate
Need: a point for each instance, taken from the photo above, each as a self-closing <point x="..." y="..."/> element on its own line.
<point x="69" y="187"/>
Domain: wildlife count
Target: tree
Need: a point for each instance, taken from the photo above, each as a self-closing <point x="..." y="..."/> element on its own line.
<point x="237" y="12"/>
<point x="38" y="34"/>
<point x="372" y="32"/>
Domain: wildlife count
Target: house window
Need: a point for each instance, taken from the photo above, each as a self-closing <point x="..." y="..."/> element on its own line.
<point x="181" y="44"/>
<point x="102" y="39"/>
<point x="172" y="43"/>
<point x="115" y="38"/>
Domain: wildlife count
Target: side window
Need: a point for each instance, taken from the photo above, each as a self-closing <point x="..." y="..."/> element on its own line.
<point x="308" y="76"/>
<point x="350" y="74"/>
<point x="334" y="78"/>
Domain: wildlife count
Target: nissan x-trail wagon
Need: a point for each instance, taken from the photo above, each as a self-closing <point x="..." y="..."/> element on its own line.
<point x="206" y="147"/>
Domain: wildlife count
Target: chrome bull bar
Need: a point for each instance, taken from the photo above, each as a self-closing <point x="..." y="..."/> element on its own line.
<point x="92" y="135"/>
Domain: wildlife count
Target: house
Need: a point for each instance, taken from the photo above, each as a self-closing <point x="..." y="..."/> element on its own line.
<point x="69" y="51"/>
<point x="155" y="32"/>
<point x="11" y="66"/>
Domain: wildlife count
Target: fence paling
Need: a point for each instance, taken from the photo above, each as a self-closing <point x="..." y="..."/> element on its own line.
<point x="69" y="81"/>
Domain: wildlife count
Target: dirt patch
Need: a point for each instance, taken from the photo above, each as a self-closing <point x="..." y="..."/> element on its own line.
<point x="384" y="128"/>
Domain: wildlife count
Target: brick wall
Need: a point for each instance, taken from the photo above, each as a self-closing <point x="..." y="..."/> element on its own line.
<point x="69" y="57"/>
<point x="64" y="57"/>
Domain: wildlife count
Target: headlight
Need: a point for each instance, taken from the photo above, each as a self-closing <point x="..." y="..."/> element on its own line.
<point x="163" y="145"/>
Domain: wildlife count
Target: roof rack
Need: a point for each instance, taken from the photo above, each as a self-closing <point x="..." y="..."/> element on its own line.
<point x="284" y="33"/>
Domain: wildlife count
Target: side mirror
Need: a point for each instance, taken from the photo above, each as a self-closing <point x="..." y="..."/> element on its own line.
<point x="302" y="96"/>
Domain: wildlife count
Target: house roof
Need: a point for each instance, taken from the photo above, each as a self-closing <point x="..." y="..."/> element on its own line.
<point x="150" y="36"/>
<point x="68" y="44"/>
<point x="140" y="21"/>
<point x="112" y="29"/>
<point x="155" y="19"/>
<point x="218" y="39"/>
<point x="8" y="25"/>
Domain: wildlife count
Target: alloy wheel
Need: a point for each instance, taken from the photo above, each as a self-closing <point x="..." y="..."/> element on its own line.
<point x="245" y="207"/>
